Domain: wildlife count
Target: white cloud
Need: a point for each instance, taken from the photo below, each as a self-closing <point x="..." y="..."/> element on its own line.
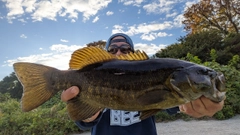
<point x="59" y="58"/>
<point x="15" y="7"/>
<point x="131" y="2"/>
<point x="23" y="36"/>
<point x="151" y="36"/>
<point x="63" y="40"/>
<point x="190" y="3"/>
<point x="148" y="37"/>
<point x="29" y="5"/>
<point x="167" y="6"/>
<point x="178" y="21"/>
<point x="73" y="20"/>
<point x="121" y="10"/>
<point x="95" y="19"/>
<point x="172" y="14"/>
<point x="153" y="30"/>
<point x="149" y="49"/>
<point x="59" y="61"/>
<point x="109" y="13"/>
<point x="149" y="31"/>
<point x="117" y="29"/>
<point x="139" y="11"/>
<point x="64" y="48"/>
<point x="22" y="20"/>
<point x="1" y="16"/>
<point x="47" y="9"/>
<point x="161" y="6"/>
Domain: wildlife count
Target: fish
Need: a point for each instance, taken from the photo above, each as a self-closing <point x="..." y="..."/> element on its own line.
<point x="131" y="82"/>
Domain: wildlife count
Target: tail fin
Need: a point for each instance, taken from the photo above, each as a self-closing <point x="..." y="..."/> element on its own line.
<point x="36" y="89"/>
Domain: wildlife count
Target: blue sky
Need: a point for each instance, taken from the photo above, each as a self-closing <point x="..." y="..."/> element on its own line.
<point x="48" y="31"/>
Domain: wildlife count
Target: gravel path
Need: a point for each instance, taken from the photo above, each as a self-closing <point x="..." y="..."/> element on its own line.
<point x="198" y="127"/>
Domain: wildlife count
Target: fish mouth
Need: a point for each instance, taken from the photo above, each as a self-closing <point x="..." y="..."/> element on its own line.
<point x="220" y="82"/>
<point x="214" y="87"/>
<point x="219" y="88"/>
<point x="196" y="81"/>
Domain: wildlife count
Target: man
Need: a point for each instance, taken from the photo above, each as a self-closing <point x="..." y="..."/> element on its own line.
<point x="118" y="122"/>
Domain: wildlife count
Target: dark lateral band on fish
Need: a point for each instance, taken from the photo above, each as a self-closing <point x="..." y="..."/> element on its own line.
<point x="130" y="82"/>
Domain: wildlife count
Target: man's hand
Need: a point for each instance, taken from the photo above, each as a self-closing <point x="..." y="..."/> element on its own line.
<point x="71" y="93"/>
<point x="201" y="107"/>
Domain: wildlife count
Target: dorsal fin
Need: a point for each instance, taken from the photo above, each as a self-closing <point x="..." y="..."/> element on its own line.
<point x="91" y="55"/>
<point x="137" y="55"/>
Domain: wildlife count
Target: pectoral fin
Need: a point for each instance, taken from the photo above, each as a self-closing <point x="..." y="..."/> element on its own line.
<point x="78" y="110"/>
<point x="153" y="96"/>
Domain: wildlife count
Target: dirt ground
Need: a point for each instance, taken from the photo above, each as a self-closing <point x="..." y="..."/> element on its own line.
<point x="198" y="127"/>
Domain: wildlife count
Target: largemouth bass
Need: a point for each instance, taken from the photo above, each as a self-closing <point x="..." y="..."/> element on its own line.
<point x="131" y="82"/>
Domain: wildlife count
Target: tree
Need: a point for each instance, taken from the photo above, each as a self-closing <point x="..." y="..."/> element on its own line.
<point x="199" y="44"/>
<point x="100" y="44"/>
<point x="222" y="15"/>
<point x="11" y="85"/>
<point x="207" y="45"/>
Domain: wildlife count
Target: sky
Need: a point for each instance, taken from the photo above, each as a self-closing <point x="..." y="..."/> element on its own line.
<point x="48" y="31"/>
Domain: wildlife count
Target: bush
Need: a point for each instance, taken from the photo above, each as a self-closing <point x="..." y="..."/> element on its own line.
<point x="41" y="121"/>
<point x="164" y="116"/>
<point x="231" y="104"/>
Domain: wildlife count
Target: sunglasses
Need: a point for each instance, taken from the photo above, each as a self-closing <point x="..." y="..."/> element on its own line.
<point x="113" y="49"/>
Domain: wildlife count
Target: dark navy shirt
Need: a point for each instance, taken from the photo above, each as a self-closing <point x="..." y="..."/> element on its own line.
<point x="117" y="122"/>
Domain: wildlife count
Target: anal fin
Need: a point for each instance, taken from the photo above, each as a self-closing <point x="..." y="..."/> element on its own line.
<point x="148" y="113"/>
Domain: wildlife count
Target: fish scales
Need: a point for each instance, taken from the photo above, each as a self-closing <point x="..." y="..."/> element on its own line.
<point x="130" y="83"/>
<point x="119" y="90"/>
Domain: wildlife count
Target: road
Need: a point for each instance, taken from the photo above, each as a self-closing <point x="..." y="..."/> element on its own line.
<point x="198" y="127"/>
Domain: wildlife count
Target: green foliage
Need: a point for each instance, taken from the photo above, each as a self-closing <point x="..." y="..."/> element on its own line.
<point x="193" y="59"/>
<point x="11" y="85"/>
<point x="173" y="51"/>
<point x="226" y="113"/>
<point x="232" y="106"/>
<point x="199" y="44"/>
<point x="232" y="39"/>
<point x="52" y="101"/>
<point x="207" y="45"/>
<point x="213" y="55"/>
<point x="231" y="46"/>
<point x="41" y="121"/>
<point x="4" y="97"/>
<point x="234" y="62"/>
<point x="164" y="116"/>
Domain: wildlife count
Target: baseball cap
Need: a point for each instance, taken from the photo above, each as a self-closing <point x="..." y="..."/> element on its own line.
<point x="127" y="38"/>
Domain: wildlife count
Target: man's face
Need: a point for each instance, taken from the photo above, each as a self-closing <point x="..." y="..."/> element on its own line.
<point x="118" y="48"/>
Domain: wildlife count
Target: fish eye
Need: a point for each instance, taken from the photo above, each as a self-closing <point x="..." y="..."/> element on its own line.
<point x="203" y="71"/>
